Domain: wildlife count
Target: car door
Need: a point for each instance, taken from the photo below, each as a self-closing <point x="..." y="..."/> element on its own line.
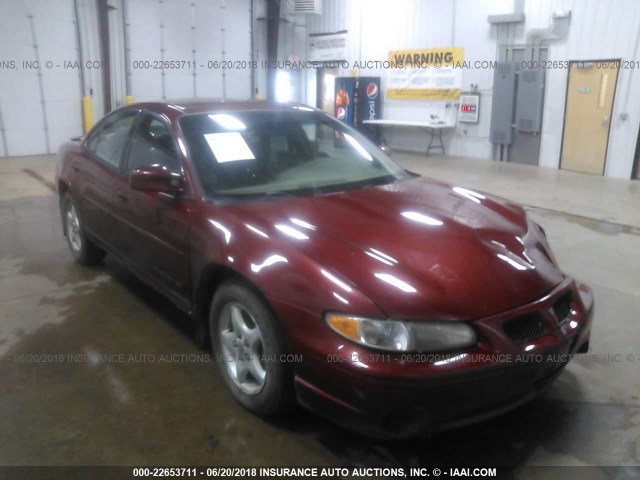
<point x="153" y="228"/>
<point x="98" y="173"/>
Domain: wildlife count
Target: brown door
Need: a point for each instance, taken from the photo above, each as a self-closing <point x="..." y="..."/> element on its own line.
<point x="587" y="119"/>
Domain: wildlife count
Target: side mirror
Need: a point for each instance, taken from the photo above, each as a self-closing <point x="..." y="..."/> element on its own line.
<point x="156" y="178"/>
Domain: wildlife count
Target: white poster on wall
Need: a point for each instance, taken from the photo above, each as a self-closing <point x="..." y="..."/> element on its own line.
<point x="322" y="47"/>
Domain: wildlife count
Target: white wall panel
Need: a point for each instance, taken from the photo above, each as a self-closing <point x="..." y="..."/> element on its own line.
<point x="177" y="41"/>
<point x="26" y="142"/>
<point x="15" y="30"/>
<point x="144" y="21"/>
<point x="22" y="115"/>
<point x="89" y="42"/>
<point x="59" y="10"/>
<point x="55" y="33"/>
<point x="66" y="117"/>
<point x="57" y="43"/>
<point x="177" y="19"/>
<point x="208" y="81"/>
<point x="117" y="53"/>
<point x="145" y="43"/>
<point x="19" y="88"/>
<point x="208" y="23"/>
<point x="40" y="109"/>
<point x="3" y="151"/>
<point x="208" y="37"/>
<point x="24" y="128"/>
<point x="178" y="84"/>
<point x="16" y="86"/>
<point x="146" y="85"/>
<point x="237" y="85"/>
<point x="12" y="8"/>
<point x="237" y="48"/>
<point x="184" y="30"/>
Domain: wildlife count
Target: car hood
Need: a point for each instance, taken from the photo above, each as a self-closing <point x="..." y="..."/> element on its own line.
<point x="418" y="248"/>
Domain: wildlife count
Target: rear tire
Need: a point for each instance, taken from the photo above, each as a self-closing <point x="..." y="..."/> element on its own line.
<point x="247" y="342"/>
<point x="84" y="251"/>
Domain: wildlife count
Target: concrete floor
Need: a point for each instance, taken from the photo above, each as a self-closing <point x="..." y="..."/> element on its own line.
<point x="156" y="408"/>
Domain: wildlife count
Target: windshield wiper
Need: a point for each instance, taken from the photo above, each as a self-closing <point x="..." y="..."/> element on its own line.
<point x="277" y="194"/>
<point x="257" y="196"/>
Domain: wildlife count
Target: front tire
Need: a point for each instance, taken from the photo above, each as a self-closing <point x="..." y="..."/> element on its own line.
<point x="248" y="345"/>
<point x="84" y="251"/>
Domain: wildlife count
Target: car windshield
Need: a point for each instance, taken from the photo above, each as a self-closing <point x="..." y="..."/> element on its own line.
<point x="260" y="153"/>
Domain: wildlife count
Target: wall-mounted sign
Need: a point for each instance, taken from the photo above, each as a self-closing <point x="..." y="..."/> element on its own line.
<point x="430" y="74"/>
<point x="322" y="47"/>
<point x="469" y="107"/>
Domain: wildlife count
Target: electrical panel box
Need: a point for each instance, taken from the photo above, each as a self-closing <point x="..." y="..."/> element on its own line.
<point x="504" y="87"/>
<point x="529" y="101"/>
<point x="469" y="108"/>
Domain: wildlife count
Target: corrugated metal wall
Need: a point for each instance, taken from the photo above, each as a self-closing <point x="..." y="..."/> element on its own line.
<point x="598" y="30"/>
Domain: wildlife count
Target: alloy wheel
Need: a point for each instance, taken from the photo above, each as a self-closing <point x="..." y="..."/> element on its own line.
<point x="242" y="348"/>
<point x="73" y="230"/>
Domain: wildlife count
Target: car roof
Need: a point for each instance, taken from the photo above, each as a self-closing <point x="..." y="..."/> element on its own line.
<point x="177" y="108"/>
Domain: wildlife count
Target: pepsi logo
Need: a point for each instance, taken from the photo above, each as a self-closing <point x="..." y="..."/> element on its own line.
<point x="372" y="91"/>
<point x="341" y="113"/>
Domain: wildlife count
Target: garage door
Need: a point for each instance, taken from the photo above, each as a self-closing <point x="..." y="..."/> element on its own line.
<point x="198" y="32"/>
<point x="39" y="97"/>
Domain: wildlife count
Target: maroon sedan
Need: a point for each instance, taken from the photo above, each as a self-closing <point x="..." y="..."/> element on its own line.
<point x="322" y="271"/>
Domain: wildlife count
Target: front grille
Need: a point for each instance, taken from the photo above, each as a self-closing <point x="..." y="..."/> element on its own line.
<point x="562" y="307"/>
<point x="525" y="328"/>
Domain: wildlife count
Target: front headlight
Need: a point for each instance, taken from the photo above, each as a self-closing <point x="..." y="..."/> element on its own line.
<point x="401" y="336"/>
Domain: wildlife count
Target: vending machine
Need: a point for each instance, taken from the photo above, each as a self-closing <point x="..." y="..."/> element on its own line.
<point x="359" y="99"/>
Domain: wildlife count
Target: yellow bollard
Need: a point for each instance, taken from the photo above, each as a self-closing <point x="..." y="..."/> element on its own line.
<point x="87" y="113"/>
<point x="129" y="99"/>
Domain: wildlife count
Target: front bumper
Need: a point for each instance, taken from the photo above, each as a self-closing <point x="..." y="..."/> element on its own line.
<point x="398" y="396"/>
